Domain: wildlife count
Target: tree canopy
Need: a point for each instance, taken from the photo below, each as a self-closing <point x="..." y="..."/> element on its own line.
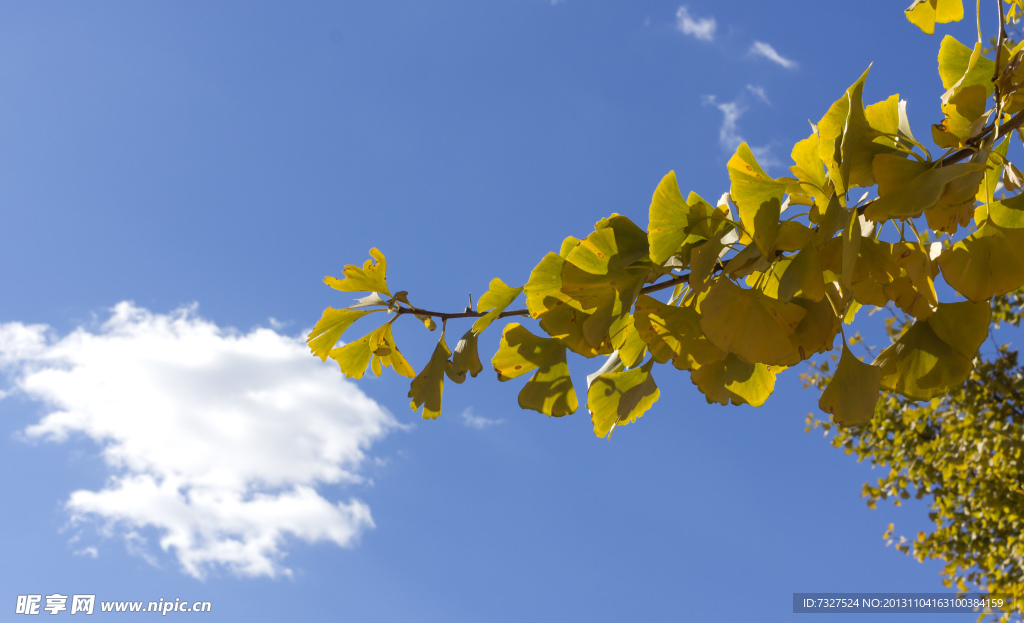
<point x="963" y="452"/>
<point x="765" y="277"/>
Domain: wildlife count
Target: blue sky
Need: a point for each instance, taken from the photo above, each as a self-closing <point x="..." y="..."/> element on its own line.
<point x="177" y="178"/>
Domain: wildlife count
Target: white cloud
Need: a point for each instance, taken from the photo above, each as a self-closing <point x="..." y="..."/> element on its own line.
<point x="703" y="29"/>
<point x="215" y="439"/>
<point x="476" y="421"/>
<point x="761" y="48"/>
<point x="729" y="136"/>
<point x="759" y="93"/>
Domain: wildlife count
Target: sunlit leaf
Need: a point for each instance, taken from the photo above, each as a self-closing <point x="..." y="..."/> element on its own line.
<point x="627" y="342"/>
<point x="919" y="194"/>
<point x="748" y="323"/>
<point x="678" y="225"/>
<point x="987" y="263"/>
<point x="735" y="381"/>
<point x="922" y="363"/>
<point x="630" y="239"/>
<point x="550" y="390"/>
<point x="618" y="398"/>
<point x="757" y="196"/>
<point x="329" y="329"/>
<point x="466" y="357"/>
<point x="428" y="386"/>
<point x="674" y="334"/>
<point x="377" y="347"/>
<point x="372" y="277"/>
<point x="964" y="117"/>
<point x="852" y="394"/>
<point x="803" y="276"/>
<point x="497" y="298"/>
<point x="926" y="13"/>
<point x="815" y="333"/>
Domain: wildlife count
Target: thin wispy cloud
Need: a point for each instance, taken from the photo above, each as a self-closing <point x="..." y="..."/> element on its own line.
<point x="702" y="28"/>
<point x="477" y="422"/>
<point x="760" y="48"/>
<point x="759" y="93"/>
<point x="728" y="133"/>
<point x="729" y="137"/>
<point x="215" y="439"/>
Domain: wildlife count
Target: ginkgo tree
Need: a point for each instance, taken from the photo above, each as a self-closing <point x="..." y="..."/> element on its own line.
<point x="735" y="291"/>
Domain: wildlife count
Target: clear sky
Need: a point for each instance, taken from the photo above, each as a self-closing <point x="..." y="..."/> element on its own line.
<point x="176" y="178"/>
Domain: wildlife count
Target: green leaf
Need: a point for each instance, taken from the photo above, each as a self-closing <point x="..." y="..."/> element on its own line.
<point x="466" y="357"/>
<point x="749" y="324"/>
<point x="497" y="298"/>
<point x="618" y="398"/>
<point x="926" y="13"/>
<point x="922" y="364"/>
<point x="550" y="390"/>
<point x="758" y="197"/>
<point x="735" y="381"/>
<point x="329" y="329"/>
<point x="427" y="388"/>
<point x="673" y="334"/>
<point x="852" y="394"/>
<point x="372" y="277"/>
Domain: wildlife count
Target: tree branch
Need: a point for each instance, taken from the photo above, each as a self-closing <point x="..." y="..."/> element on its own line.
<point x="654" y="287"/>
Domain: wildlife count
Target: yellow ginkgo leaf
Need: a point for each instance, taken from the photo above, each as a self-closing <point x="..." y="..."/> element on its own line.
<point x="377" y="347"/>
<point x="372" y="277"/>
<point x="329" y="329"/>
<point x="673" y="334"/>
<point x="803" y="276"/>
<point x="922" y="363"/>
<point x="926" y="13"/>
<point x="618" y="398"/>
<point x="987" y="263"/>
<point x="497" y="298"/>
<point x="427" y="388"/>
<point x="919" y="194"/>
<point x="735" y="381"/>
<point x="809" y="170"/>
<point x="466" y="357"/>
<point x="669" y="218"/>
<point x="626" y="340"/>
<point x="757" y="196"/>
<point x="852" y="393"/>
<point x="631" y="243"/>
<point x="550" y="390"/>
<point x="749" y="324"/>
<point x="816" y="332"/>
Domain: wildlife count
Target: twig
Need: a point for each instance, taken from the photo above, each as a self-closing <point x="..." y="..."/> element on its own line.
<point x="654" y="287"/>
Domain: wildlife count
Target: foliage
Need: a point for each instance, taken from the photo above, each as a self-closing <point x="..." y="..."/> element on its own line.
<point x="766" y="277"/>
<point x="964" y="452"/>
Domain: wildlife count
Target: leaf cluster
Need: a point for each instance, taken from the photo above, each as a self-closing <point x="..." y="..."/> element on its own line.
<point x="767" y="276"/>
